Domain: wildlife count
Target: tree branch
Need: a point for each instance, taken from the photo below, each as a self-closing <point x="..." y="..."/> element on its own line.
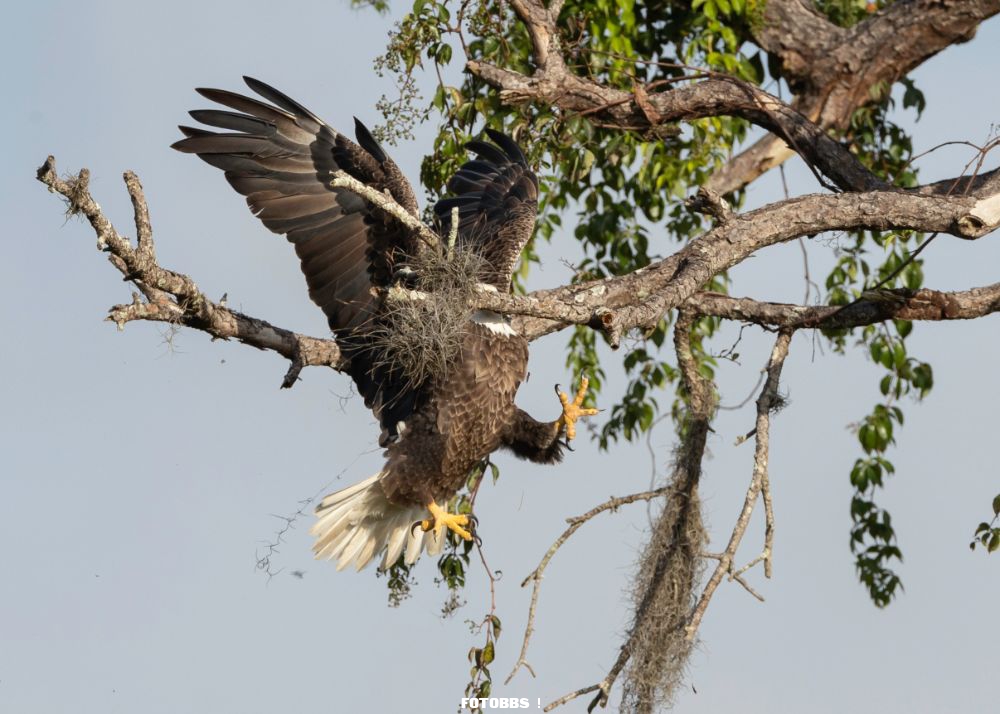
<point x="535" y="577"/>
<point x="718" y="95"/>
<point x="833" y="71"/>
<point x="385" y="202"/>
<point x="641" y="298"/>
<point x="609" y="305"/>
<point x="769" y="399"/>
<point x="173" y="297"/>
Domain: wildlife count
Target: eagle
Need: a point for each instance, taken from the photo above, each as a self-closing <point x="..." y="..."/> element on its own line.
<point x="359" y="261"/>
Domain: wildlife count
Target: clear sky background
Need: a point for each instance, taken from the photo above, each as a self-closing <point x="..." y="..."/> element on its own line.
<point x="138" y="483"/>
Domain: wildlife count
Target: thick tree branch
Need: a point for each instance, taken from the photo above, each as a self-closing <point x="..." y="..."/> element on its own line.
<point x="716" y="96"/>
<point x="833" y="71"/>
<point x="640" y="299"/>
<point x="172" y="297"/>
<point x="871" y="308"/>
<point x="608" y="305"/>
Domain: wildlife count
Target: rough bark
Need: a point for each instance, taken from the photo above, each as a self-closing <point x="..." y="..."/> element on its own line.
<point x="832" y="71"/>
<point x="616" y="305"/>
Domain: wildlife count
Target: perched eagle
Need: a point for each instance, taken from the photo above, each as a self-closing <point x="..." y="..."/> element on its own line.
<point x="437" y="427"/>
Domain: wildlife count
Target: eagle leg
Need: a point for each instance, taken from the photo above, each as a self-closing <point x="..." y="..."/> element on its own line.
<point x="572" y="410"/>
<point x="440" y="518"/>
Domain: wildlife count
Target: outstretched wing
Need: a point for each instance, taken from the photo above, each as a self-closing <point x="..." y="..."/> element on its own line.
<point x="281" y="157"/>
<point x="497" y="200"/>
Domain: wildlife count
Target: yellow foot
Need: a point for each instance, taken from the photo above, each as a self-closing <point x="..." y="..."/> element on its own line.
<point x="440" y="518"/>
<point x="572" y="409"/>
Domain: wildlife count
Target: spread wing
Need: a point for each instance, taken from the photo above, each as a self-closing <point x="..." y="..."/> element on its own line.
<point x="281" y="157"/>
<point x="497" y="200"/>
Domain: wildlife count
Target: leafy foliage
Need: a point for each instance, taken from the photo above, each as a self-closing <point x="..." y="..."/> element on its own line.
<point x="480" y="680"/>
<point x="988" y="534"/>
<point x="887" y="150"/>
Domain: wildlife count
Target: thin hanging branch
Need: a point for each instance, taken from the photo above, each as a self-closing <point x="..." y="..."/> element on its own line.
<point x="535" y="577"/>
<point x="656" y="650"/>
<point x="768" y="400"/>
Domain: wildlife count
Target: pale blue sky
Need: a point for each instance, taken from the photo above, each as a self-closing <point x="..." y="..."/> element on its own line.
<point x="138" y="483"/>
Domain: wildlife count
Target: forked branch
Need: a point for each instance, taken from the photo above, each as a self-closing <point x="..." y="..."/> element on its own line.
<point x="535" y="577"/>
<point x="171" y="297"/>
<point x="768" y="401"/>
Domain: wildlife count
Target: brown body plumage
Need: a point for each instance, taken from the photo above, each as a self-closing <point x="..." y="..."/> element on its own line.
<point x="474" y="402"/>
<point x="435" y="428"/>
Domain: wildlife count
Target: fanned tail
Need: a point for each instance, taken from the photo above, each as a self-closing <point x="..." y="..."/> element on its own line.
<point x="357" y="523"/>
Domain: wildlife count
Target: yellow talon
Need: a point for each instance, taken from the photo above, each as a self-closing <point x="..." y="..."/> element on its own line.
<point x="573" y="411"/>
<point x="440" y="518"/>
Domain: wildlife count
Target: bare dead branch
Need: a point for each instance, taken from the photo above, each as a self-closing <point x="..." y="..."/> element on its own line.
<point x="173" y="297"/>
<point x="765" y="403"/>
<point x="387" y="203"/>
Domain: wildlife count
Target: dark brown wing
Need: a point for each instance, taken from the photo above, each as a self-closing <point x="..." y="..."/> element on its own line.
<point x="497" y="200"/>
<point x="281" y="157"/>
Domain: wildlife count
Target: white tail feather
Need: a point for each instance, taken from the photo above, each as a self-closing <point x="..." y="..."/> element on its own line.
<point x="357" y="523"/>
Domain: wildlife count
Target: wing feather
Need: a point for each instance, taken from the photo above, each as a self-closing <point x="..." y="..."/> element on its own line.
<point x="497" y="199"/>
<point x="280" y="156"/>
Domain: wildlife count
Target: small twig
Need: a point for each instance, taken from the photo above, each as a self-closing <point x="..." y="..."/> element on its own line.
<point x="144" y="230"/>
<point x="746" y="586"/>
<point x="753" y="391"/>
<point x="765" y="488"/>
<point x="573" y="695"/>
<point x="385" y="202"/>
<point x="271" y="547"/>
<point x="453" y="230"/>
